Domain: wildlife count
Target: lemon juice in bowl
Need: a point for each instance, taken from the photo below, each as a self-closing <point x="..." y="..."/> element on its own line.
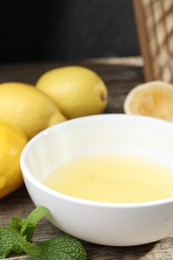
<point x="112" y="178"/>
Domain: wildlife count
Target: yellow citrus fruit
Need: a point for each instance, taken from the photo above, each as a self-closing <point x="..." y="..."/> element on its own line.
<point x="154" y="98"/>
<point x="78" y="91"/>
<point x="27" y="108"/>
<point x="12" y="142"/>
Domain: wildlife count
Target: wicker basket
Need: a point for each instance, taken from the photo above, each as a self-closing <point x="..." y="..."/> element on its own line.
<point x="154" y="19"/>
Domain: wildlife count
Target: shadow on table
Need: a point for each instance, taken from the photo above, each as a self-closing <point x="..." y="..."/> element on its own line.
<point x="118" y="253"/>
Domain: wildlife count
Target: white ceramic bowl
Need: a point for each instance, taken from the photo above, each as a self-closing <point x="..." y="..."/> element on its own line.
<point x="102" y="223"/>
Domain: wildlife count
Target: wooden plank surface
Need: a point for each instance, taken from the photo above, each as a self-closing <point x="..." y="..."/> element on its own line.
<point x="119" y="78"/>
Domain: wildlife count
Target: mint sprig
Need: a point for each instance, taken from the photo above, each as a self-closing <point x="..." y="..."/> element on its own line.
<point x="17" y="237"/>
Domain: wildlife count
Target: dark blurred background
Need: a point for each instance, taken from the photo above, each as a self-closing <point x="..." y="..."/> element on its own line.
<point x="35" y="30"/>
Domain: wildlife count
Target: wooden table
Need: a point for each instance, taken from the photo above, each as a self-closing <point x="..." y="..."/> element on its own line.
<point x="120" y="75"/>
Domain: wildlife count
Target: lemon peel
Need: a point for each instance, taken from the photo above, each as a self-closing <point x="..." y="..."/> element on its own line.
<point x="12" y="142"/>
<point x="154" y="99"/>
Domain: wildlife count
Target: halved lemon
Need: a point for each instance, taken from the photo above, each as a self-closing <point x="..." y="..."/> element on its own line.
<point x="154" y="98"/>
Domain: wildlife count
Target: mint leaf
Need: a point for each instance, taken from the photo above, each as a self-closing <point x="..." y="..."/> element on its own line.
<point x="30" y="223"/>
<point x="31" y="249"/>
<point x="17" y="237"/>
<point x="10" y="240"/>
<point x="61" y="248"/>
<point x="16" y="223"/>
<point x="27" y="226"/>
<point x="37" y="214"/>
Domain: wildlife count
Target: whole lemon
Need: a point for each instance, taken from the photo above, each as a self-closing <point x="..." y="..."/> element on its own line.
<point x="27" y="108"/>
<point x="78" y="91"/>
<point x="12" y="142"/>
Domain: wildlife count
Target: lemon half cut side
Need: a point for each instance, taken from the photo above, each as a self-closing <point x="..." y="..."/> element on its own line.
<point x="154" y="98"/>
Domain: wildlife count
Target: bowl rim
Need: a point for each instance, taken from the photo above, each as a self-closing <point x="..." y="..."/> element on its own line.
<point x="27" y="175"/>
